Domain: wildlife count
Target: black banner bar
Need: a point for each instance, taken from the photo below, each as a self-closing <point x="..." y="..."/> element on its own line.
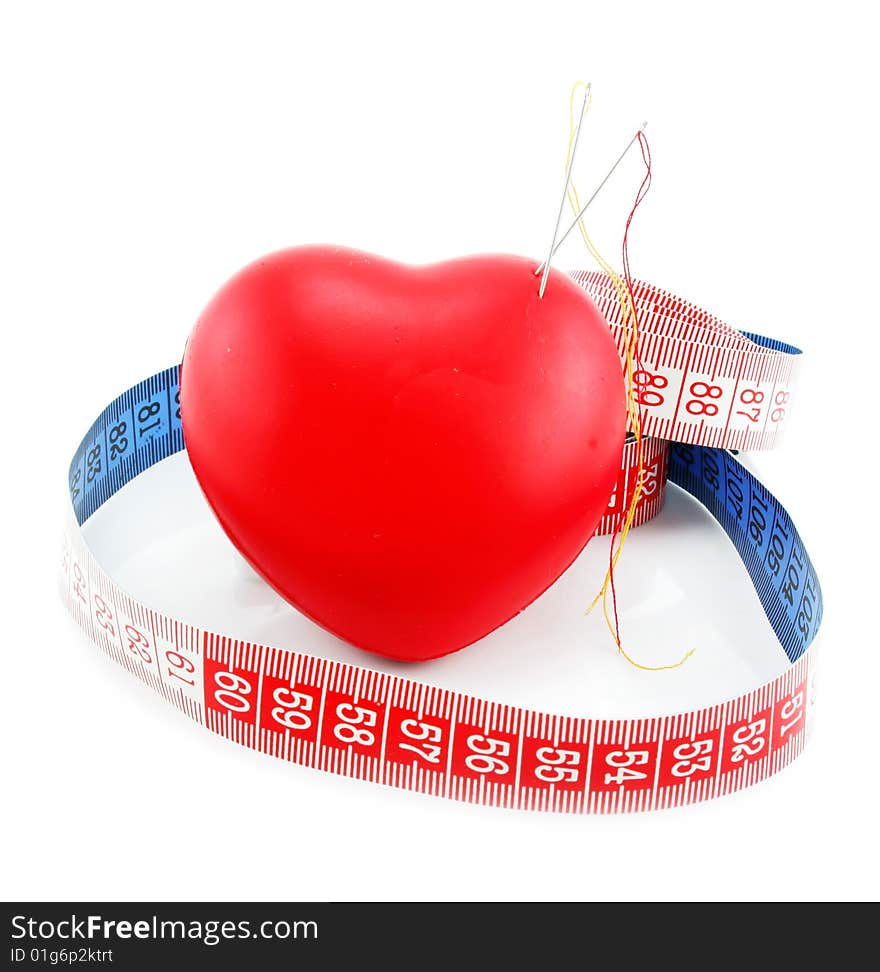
<point x="257" y="936"/>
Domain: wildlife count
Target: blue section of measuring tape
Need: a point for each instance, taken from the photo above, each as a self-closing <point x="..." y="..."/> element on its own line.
<point x="771" y="343"/>
<point x="764" y="536"/>
<point x="134" y="432"/>
<point x="142" y="427"/>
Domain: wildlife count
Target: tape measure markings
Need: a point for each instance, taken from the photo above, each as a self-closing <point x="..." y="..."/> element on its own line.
<point x="702" y="366"/>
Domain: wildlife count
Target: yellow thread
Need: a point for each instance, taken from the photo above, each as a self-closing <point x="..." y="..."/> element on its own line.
<point x="630" y="330"/>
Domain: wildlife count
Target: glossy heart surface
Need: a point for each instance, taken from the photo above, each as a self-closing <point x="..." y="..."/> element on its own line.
<point x="408" y="455"/>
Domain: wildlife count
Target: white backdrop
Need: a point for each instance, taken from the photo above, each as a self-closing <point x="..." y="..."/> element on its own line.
<point x="152" y="150"/>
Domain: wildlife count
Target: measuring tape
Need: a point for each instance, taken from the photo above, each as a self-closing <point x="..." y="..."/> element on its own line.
<point x="700" y="380"/>
<point x="704" y="388"/>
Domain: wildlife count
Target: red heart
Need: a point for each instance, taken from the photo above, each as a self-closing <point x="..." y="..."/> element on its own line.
<point x="409" y="455"/>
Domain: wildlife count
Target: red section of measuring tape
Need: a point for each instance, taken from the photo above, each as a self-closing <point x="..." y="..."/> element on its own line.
<point x="655" y="457"/>
<point x="383" y="728"/>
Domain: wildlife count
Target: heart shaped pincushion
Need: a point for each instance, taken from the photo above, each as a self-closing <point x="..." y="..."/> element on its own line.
<point x="408" y="455"/>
